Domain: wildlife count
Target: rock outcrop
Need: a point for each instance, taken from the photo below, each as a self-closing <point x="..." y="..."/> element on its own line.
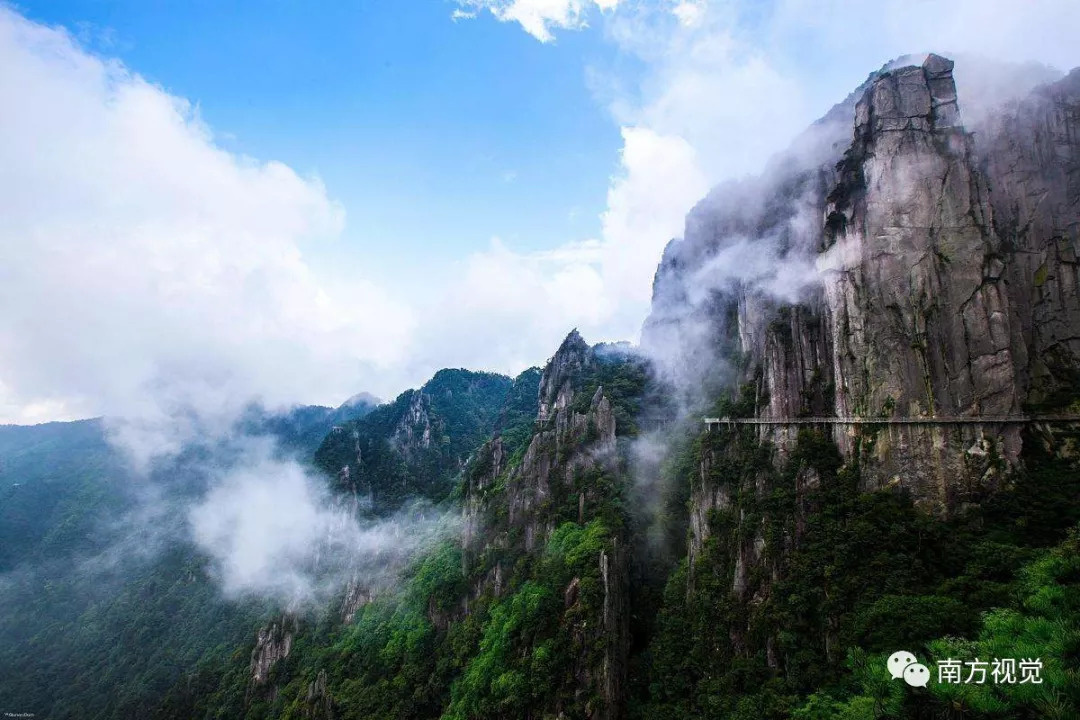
<point x="566" y="440"/>
<point x="915" y="299"/>
<point x="516" y="506"/>
<point x="1030" y="151"/>
<point x="318" y="704"/>
<point x="943" y="285"/>
<point x="273" y="644"/>
<point x="918" y="317"/>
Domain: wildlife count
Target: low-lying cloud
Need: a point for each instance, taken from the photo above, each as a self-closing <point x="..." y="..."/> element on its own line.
<point x="274" y="530"/>
<point x="149" y="275"/>
<point x="144" y="272"/>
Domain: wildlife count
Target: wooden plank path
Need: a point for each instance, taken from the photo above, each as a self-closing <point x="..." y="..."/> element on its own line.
<point x="940" y="420"/>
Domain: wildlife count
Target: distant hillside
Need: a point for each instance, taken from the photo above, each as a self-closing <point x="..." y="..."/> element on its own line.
<point x="416" y="445"/>
<point x="302" y="429"/>
<point x="608" y="556"/>
<point x="53" y="480"/>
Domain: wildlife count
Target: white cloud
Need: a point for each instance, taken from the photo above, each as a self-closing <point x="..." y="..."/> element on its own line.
<point x="537" y="17"/>
<point x="689" y="12"/>
<point x="507" y="310"/>
<point x="144" y="270"/>
<point x="274" y="531"/>
<point x="1015" y="30"/>
<point x="515" y="307"/>
<point x="723" y="85"/>
<point x="699" y="79"/>
<point x="660" y="178"/>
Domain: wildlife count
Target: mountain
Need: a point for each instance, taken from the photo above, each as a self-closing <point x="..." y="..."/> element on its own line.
<point x="505" y="619"/>
<point x="301" y="429"/>
<point x="416" y="445"/>
<point x="48" y="474"/>
<point x="948" y="298"/>
<point x="103" y="608"/>
<point x="948" y="275"/>
<point x="885" y="323"/>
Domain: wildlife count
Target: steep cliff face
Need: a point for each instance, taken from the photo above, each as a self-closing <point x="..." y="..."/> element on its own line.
<point x="568" y="441"/>
<point x="273" y="644"/>
<point x="557" y="500"/>
<point x="716" y="289"/>
<point x="916" y="312"/>
<point x="943" y="280"/>
<point x="1030" y="150"/>
<point x="914" y="271"/>
<point x="415" y="446"/>
<point x="916" y="302"/>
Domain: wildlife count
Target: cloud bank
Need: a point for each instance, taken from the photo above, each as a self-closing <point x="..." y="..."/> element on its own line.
<point x="145" y="272"/>
<point x="148" y="274"/>
<point x="273" y="530"/>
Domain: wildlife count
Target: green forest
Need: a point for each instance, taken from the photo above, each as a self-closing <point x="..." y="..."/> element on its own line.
<point x="803" y="632"/>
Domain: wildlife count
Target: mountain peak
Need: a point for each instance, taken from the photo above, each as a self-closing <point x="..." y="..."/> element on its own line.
<point x="573" y="340"/>
<point x="556" y="382"/>
<point x="361" y="398"/>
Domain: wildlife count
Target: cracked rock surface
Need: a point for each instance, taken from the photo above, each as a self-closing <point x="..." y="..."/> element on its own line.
<point x="946" y="277"/>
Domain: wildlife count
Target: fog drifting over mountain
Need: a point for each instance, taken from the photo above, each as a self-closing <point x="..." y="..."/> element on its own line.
<point x="151" y="275"/>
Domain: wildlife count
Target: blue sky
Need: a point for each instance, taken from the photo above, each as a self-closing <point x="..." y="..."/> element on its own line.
<point x="435" y="134"/>
<point x="491" y="174"/>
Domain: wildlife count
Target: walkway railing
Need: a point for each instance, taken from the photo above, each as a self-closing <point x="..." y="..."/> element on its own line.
<point x="940" y="420"/>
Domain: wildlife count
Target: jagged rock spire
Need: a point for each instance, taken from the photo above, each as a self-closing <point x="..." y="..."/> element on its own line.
<point x="556" y="382"/>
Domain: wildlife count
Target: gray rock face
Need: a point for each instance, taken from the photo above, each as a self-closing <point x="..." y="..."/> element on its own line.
<point x="699" y="328"/>
<point x="946" y="277"/>
<point x="917" y="308"/>
<point x="357" y="595"/>
<point x="571" y="437"/>
<point x="568" y="440"/>
<point x="919" y="325"/>
<point x="414" y="430"/>
<point x="273" y="644"/>
<point x="557" y="382"/>
<point x="1031" y="153"/>
<point x="318" y="703"/>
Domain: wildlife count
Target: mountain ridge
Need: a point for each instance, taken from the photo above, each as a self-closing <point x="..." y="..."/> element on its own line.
<point x="890" y="264"/>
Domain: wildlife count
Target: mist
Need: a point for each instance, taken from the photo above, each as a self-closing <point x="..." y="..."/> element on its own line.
<point x="753" y="245"/>
<point x="274" y="530"/>
<point x="152" y="277"/>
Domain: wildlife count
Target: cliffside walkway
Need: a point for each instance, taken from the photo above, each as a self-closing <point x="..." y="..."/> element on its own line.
<point x="940" y="420"/>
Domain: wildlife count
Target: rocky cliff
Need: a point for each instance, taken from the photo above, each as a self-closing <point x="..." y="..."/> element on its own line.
<point x="924" y="272"/>
<point x="1030" y="153"/>
<point x="912" y="278"/>
<point x="902" y="269"/>
<point x="273" y="644"/>
<point x="519" y="510"/>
